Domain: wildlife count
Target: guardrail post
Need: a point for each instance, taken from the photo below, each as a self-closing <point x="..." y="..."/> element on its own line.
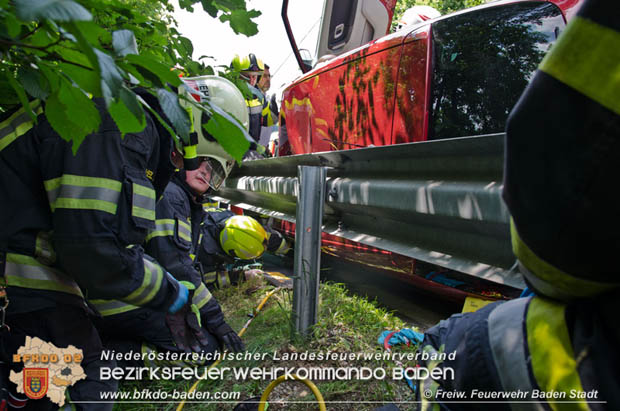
<point x="310" y="200"/>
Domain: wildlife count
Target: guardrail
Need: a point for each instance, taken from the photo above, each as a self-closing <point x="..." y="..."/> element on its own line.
<point x="437" y="201"/>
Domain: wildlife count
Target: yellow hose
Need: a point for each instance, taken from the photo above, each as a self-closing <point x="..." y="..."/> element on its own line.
<point x="282" y="378"/>
<point x="245" y="327"/>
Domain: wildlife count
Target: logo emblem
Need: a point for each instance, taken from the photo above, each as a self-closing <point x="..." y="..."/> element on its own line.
<point x="36" y="382"/>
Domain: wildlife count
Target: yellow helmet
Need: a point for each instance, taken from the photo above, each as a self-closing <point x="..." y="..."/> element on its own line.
<point x="243" y="237"/>
<point x="248" y="64"/>
<point x="224" y="94"/>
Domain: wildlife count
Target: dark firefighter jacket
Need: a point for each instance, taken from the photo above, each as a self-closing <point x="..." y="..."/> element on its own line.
<point x="174" y="241"/>
<point x="70" y="221"/>
<point x="260" y="112"/>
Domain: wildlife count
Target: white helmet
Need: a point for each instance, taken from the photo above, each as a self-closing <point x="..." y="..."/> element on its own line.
<point x="417" y="14"/>
<point x="224" y="94"/>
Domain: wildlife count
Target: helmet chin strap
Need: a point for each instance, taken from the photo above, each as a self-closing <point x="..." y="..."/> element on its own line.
<point x="191" y="161"/>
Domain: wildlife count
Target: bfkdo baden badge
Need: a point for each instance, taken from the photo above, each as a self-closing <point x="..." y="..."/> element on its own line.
<point x="36" y="382"/>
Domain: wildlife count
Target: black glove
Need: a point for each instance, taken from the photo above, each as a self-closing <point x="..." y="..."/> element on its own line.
<point x="183" y="319"/>
<point x="228" y="338"/>
<point x="186" y="331"/>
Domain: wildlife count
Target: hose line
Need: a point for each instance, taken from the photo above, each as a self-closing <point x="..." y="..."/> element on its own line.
<point x="282" y="378"/>
<point x="245" y="327"/>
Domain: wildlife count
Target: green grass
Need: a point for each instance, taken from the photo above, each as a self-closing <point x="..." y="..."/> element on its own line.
<point x="347" y="324"/>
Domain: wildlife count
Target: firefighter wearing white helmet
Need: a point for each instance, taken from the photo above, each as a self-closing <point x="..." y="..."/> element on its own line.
<point x="178" y="217"/>
<point x="225" y="95"/>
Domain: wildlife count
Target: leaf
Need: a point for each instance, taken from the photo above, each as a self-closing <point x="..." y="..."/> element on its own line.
<point x="111" y="79"/>
<point x="160" y="70"/>
<point x="8" y="97"/>
<point x="169" y="102"/>
<point x="209" y="7"/>
<point x="59" y="10"/>
<point x="96" y="35"/>
<point x="33" y="82"/>
<point x="72" y="114"/>
<point x="84" y="45"/>
<point x="187" y="45"/>
<point x="228" y="132"/>
<point x="124" y="42"/>
<point x="127" y="113"/>
<point x="21" y="94"/>
<point x="187" y="5"/>
<point x="13" y="26"/>
<point x="240" y="21"/>
<point x="88" y="80"/>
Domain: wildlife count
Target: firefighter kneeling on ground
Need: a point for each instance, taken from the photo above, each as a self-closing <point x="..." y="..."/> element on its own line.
<point x="175" y="238"/>
<point x="226" y="238"/>
<point x="562" y="149"/>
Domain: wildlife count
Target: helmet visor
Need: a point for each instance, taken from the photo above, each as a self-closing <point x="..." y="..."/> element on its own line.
<point x="218" y="174"/>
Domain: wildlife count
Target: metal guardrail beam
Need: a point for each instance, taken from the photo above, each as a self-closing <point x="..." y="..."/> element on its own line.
<point x="437" y="201"/>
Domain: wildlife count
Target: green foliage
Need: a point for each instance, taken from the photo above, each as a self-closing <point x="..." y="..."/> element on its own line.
<point x="66" y="51"/>
<point x="443" y="6"/>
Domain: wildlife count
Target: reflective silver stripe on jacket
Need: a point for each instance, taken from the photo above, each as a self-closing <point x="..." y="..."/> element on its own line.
<point x="112" y="307"/>
<point x="201" y="296"/>
<point x="26" y="272"/>
<point x="143" y="202"/>
<point x="153" y="277"/>
<point x="83" y="192"/>
<point x="508" y="340"/>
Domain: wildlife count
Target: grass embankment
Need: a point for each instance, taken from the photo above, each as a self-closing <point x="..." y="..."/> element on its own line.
<point x="347" y="324"/>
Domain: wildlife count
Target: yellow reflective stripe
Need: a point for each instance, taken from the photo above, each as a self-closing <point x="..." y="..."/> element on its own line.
<point x="185" y="231"/>
<point x="83" y="181"/>
<point x="209" y="277"/>
<point x="158" y="233"/>
<point x="555" y="277"/>
<point x="112" y="307"/>
<point x="83" y="192"/>
<point x="586" y="57"/>
<point x="18" y="124"/>
<point x="201" y="296"/>
<point x="163" y="227"/>
<point x="551" y="352"/>
<point x="77" y="204"/>
<point x="143" y="204"/>
<point x="151" y="284"/>
<point x="26" y="272"/>
<point x="224" y="279"/>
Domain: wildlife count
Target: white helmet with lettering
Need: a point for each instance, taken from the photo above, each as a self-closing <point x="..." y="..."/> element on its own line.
<point x="224" y="94"/>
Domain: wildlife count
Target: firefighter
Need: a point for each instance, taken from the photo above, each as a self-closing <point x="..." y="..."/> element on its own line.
<point x="174" y="238"/>
<point x="71" y="225"/>
<point x="226" y="237"/>
<point x="270" y="111"/>
<point x="561" y="160"/>
<point x="251" y="69"/>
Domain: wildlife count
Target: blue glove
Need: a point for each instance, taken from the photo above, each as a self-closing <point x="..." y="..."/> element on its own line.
<point x="182" y="296"/>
